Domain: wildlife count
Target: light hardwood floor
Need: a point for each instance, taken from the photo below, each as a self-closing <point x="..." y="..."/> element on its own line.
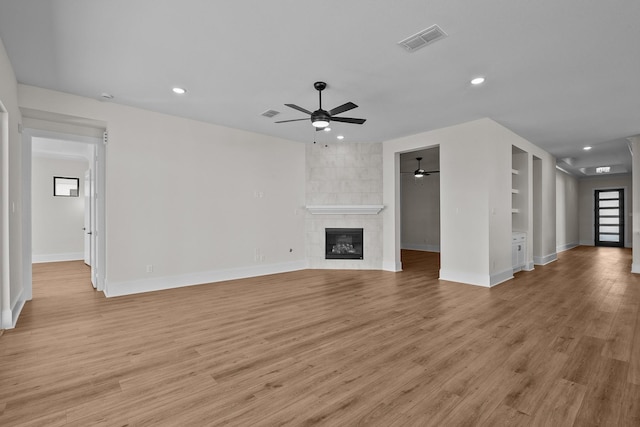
<point x="558" y="346"/>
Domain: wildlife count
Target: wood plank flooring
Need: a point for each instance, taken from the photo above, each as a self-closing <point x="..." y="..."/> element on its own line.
<point x="558" y="346"/>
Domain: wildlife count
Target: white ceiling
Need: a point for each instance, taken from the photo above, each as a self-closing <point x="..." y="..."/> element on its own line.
<point x="562" y="74"/>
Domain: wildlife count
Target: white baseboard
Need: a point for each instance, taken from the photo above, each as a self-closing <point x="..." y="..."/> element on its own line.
<point x="420" y="247"/>
<point x="635" y="268"/>
<point x="391" y="266"/>
<point x="591" y="243"/>
<point x="545" y="259"/>
<point x="466" y="278"/>
<point x="115" y="289"/>
<point x="7" y="319"/>
<point x="70" y="256"/>
<point x="501" y="277"/>
<point x="566" y="247"/>
<point x="476" y="279"/>
<point x="10" y="316"/>
<point x="17" y="309"/>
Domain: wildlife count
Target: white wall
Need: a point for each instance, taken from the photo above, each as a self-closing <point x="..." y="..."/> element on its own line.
<point x="547" y="250"/>
<point x="475" y="185"/>
<point x="586" y="189"/>
<point x="57" y="222"/>
<point x="12" y="296"/>
<point x="196" y="201"/>
<point x="465" y="205"/>
<point x="567" y="229"/>
<point x="420" y="210"/>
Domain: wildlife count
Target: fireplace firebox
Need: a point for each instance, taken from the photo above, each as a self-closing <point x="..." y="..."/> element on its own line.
<point x="344" y="243"/>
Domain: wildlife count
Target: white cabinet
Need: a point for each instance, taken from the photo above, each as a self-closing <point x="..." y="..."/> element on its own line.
<point x="518" y="251"/>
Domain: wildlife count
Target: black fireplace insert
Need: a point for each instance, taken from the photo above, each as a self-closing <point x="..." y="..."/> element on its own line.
<point x="344" y="243"/>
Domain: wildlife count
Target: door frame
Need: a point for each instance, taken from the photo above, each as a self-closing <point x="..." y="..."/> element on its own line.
<point x="99" y="166"/>
<point x="622" y="215"/>
<point x="6" y="314"/>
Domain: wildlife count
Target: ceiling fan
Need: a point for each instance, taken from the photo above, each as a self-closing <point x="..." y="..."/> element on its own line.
<point x="419" y="173"/>
<point x="320" y="118"/>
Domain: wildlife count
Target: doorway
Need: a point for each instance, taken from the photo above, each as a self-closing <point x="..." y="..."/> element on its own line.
<point x="420" y="208"/>
<point x="609" y="217"/>
<point x="61" y="220"/>
<point x="97" y="165"/>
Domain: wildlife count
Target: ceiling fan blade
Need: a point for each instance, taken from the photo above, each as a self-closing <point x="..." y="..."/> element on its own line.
<point x="295" y="107"/>
<point x="348" y="120"/>
<point x="342" y="108"/>
<point x="431" y="171"/>
<point x="294" y="120"/>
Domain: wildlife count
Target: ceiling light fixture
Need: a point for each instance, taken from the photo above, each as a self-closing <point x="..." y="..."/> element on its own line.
<point x="419" y="173"/>
<point x="320" y="118"/>
<point x="340" y="137"/>
<point x="587" y="148"/>
<point x="327" y="129"/>
<point x="105" y="95"/>
<point x="477" y="81"/>
<point x="179" y="90"/>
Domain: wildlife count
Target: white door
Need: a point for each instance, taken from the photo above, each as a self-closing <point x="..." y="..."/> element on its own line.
<point x="87" y="217"/>
<point x="90" y="222"/>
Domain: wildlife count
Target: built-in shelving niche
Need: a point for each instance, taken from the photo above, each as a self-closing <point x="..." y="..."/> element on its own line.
<point x="519" y="189"/>
<point x="519" y="207"/>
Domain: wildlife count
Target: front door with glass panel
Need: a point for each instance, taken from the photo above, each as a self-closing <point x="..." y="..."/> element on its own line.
<point x="609" y="215"/>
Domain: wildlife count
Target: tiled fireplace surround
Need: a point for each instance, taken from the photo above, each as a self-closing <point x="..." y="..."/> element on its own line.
<point x="344" y="174"/>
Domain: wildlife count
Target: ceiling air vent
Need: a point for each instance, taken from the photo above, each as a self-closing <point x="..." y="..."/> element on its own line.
<point x="270" y="113"/>
<point x="423" y="38"/>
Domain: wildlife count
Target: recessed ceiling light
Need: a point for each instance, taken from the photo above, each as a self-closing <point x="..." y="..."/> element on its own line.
<point x="477" y="81"/>
<point x="587" y="148"/>
<point x="105" y="95"/>
<point x="179" y="90"/>
<point x="340" y="137"/>
<point x="327" y="129"/>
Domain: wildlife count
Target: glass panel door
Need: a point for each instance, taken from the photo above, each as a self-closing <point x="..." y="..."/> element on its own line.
<point x="609" y="215"/>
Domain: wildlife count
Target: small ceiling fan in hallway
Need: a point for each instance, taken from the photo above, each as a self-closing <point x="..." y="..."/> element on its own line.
<point x="419" y="173"/>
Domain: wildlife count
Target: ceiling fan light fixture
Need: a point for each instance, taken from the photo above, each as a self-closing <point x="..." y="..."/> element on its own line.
<point x="419" y="173"/>
<point x="320" y="118"/>
<point x="320" y="123"/>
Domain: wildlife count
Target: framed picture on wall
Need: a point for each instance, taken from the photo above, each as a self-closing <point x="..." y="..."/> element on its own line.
<point x="66" y="187"/>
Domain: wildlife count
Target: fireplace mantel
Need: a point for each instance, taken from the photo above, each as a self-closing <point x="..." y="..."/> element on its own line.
<point x="344" y="209"/>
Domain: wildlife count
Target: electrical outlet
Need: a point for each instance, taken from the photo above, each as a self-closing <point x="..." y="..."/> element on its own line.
<point x="150" y="268"/>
